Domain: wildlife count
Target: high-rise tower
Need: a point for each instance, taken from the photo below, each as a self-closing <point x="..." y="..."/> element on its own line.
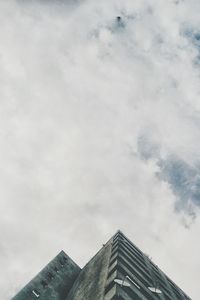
<point x="119" y="271"/>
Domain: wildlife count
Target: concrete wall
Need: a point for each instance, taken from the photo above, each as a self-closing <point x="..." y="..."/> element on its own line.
<point x="53" y="282"/>
<point x="91" y="281"/>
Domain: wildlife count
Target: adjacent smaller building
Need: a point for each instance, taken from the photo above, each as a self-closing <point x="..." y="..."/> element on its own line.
<point x="53" y="282"/>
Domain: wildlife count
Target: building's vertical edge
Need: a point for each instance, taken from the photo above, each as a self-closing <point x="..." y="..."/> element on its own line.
<point x="90" y="283"/>
<point x="132" y="275"/>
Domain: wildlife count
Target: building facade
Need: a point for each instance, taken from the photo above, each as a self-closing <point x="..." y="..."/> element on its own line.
<point x="119" y="271"/>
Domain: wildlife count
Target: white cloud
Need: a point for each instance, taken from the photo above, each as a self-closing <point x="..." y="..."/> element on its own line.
<point x="77" y="92"/>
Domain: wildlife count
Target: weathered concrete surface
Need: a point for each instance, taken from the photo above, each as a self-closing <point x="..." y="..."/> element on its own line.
<point x="90" y="284"/>
<point x="53" y="282"/>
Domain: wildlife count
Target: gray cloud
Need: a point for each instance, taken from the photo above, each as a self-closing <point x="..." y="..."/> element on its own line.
<point x="183" y="178"/>
<point x="77" y="88"/>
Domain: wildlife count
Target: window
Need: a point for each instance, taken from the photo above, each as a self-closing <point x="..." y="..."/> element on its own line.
<point x="64" y="258"/>
<point x="44" y="283"/>
<point x="36" y="293"/>
<point x="62" y="261"/>
<point x="50" y="275"/>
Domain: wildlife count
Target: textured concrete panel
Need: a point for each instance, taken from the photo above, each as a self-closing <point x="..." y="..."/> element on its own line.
<point x="53" y="282"/>
<point x="91" y="282"/>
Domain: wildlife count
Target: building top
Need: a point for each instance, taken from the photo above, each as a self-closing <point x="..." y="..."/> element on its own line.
<point x="53" y="282"/>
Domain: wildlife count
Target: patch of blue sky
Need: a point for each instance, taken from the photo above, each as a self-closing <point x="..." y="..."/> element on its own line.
<point x="183" y="178"/>
<point x="193" y="36"/>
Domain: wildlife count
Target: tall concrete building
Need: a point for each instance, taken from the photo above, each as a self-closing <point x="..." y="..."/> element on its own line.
<point x="119" y="271"/>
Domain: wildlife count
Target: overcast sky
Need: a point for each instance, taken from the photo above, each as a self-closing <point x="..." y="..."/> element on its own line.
<point x="99" y="131"/>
